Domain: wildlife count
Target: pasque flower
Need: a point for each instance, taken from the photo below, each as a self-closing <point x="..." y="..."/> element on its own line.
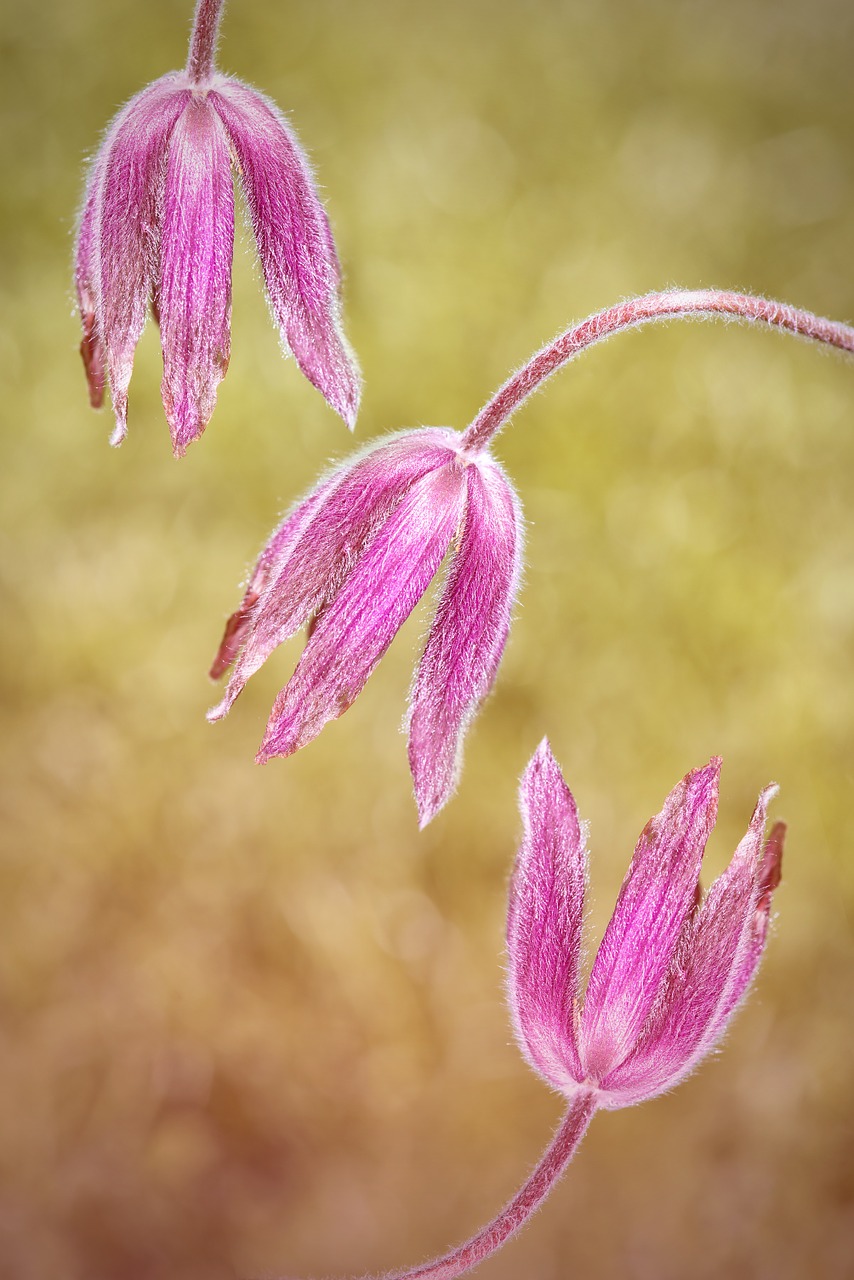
<point x="672" y="967"/>
<point x="354" y="557"/>
<point x="361" y="549"/>
<point x="158" y="223"/>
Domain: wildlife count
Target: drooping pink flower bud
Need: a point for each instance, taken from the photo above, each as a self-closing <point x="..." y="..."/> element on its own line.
<point x="354" y="558"/>
<point x="358" y="552"/>
<point x="671" y="968"/>
<point x="158" y="224"/>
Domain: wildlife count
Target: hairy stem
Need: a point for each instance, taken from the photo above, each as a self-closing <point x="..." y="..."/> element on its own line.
<point x="518" y="1210"/>
<point x="703" y="303"/>
<point x="200" y="60"/>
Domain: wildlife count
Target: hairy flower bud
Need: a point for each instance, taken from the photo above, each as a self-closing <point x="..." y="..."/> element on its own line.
<point x="353" y="559"/>
<point x="671" y="968"/>
<point x="158" y="224"/>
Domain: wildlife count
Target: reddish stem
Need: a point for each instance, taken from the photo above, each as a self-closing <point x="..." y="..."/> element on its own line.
<point x="704" y="303"/>
<point x="518" y="1210"/>
<point x="200" y="59"/>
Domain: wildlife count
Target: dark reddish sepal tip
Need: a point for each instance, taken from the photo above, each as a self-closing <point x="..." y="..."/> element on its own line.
<point x="93" y="362"/>
<point x="232" y="639"/>
<point x="771" y="868"/>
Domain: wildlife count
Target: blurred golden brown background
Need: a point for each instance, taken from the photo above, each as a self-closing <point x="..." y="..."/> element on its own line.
<point x="252" y="1021"/>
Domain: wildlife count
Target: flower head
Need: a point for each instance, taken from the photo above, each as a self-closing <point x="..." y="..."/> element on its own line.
<point x="158" y="224"/>
<point x="671" y="968"/>
<point x="353" y="558"/>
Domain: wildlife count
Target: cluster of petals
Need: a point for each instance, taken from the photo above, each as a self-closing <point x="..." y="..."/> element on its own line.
<point x="352" y="559"/>
<point x="158" y="225"/>
<point x="672" y="966"/>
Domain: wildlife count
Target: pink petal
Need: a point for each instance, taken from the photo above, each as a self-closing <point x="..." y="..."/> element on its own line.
<point x="194" y="295"/>
<point x="310" y="567"/>
<point x="717" y="956"/>
<point x="239" y="625"/>
<point x="467" y="637"/>
<point x="639" y="942"/>
<point x="544" y="924"/>
<point x="294" y="242"/>
<point x="127" y="219"/>
<point x="376" y="598"/>
<point x="85" y="275"/>
<point x="767" y="879"/>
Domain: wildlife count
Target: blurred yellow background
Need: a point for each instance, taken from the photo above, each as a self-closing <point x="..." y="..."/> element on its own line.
<point x="252" y="1021"/>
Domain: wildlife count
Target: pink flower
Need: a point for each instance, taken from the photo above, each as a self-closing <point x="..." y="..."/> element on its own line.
<point x="158" y="223"/>
<point x="671" y="968"/>
<point x="360" y="550"/>
<point x="354" y="558"/>
<point x="668" y="976"/>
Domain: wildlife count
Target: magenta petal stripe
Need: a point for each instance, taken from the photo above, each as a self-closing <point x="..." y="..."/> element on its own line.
<point x="194" y="294"/>
<point x="274" y="554"/>
<point x="467" y="637"/>
<point x="656" y="896"/>
<point x="709" y="974"/>
<point x="544" y="924"/>
<point x="358" y="497"/>
<point x="294" y="242"/>
<point x="85" y="275"/>
<point x="768" y="872"/>
<point x="127" y="239"/>
<point x="376" y="598"/>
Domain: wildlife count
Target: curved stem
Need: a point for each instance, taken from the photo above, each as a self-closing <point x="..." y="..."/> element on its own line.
<point x="518" y="1210"/>
<point x="670" y="305"/>
<point x="200" y="59"/>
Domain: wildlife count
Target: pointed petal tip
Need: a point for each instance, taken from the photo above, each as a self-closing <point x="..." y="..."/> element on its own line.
<point x="701" y="786"/>
<point x="425" y="817"/>
<point x="760" y="810"/>
<point x="222" y="708"/>
<point x="351" y="411"/>
<point x="543" y="764"/>
<point x="710" y="772"/>
<point x="341" y="390"/>
<point x="280" y="739"/>
<point x="186" y="421"/>
<point x="268" y="751"/>
<point x="767" y="794"/>
<point x="542" y="755"/>
<point x="428" y="807"/>
<point x="119" y="432"/>
<point x="184" y="428"/>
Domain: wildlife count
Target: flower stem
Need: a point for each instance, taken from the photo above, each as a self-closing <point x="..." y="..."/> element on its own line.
<point x="704" y="303"/>
<point x="518" y="1210"/>
<point x="200" y="59"/>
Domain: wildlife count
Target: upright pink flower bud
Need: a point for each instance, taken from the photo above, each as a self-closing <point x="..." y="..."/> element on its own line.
<point x="355" y="557"/>
<point x="158" y="224"/>
<point x="668" y="975"/>
<point x="671" y="968"/>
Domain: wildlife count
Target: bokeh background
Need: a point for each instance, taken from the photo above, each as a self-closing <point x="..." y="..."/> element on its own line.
<point x="252" y="1021"/>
